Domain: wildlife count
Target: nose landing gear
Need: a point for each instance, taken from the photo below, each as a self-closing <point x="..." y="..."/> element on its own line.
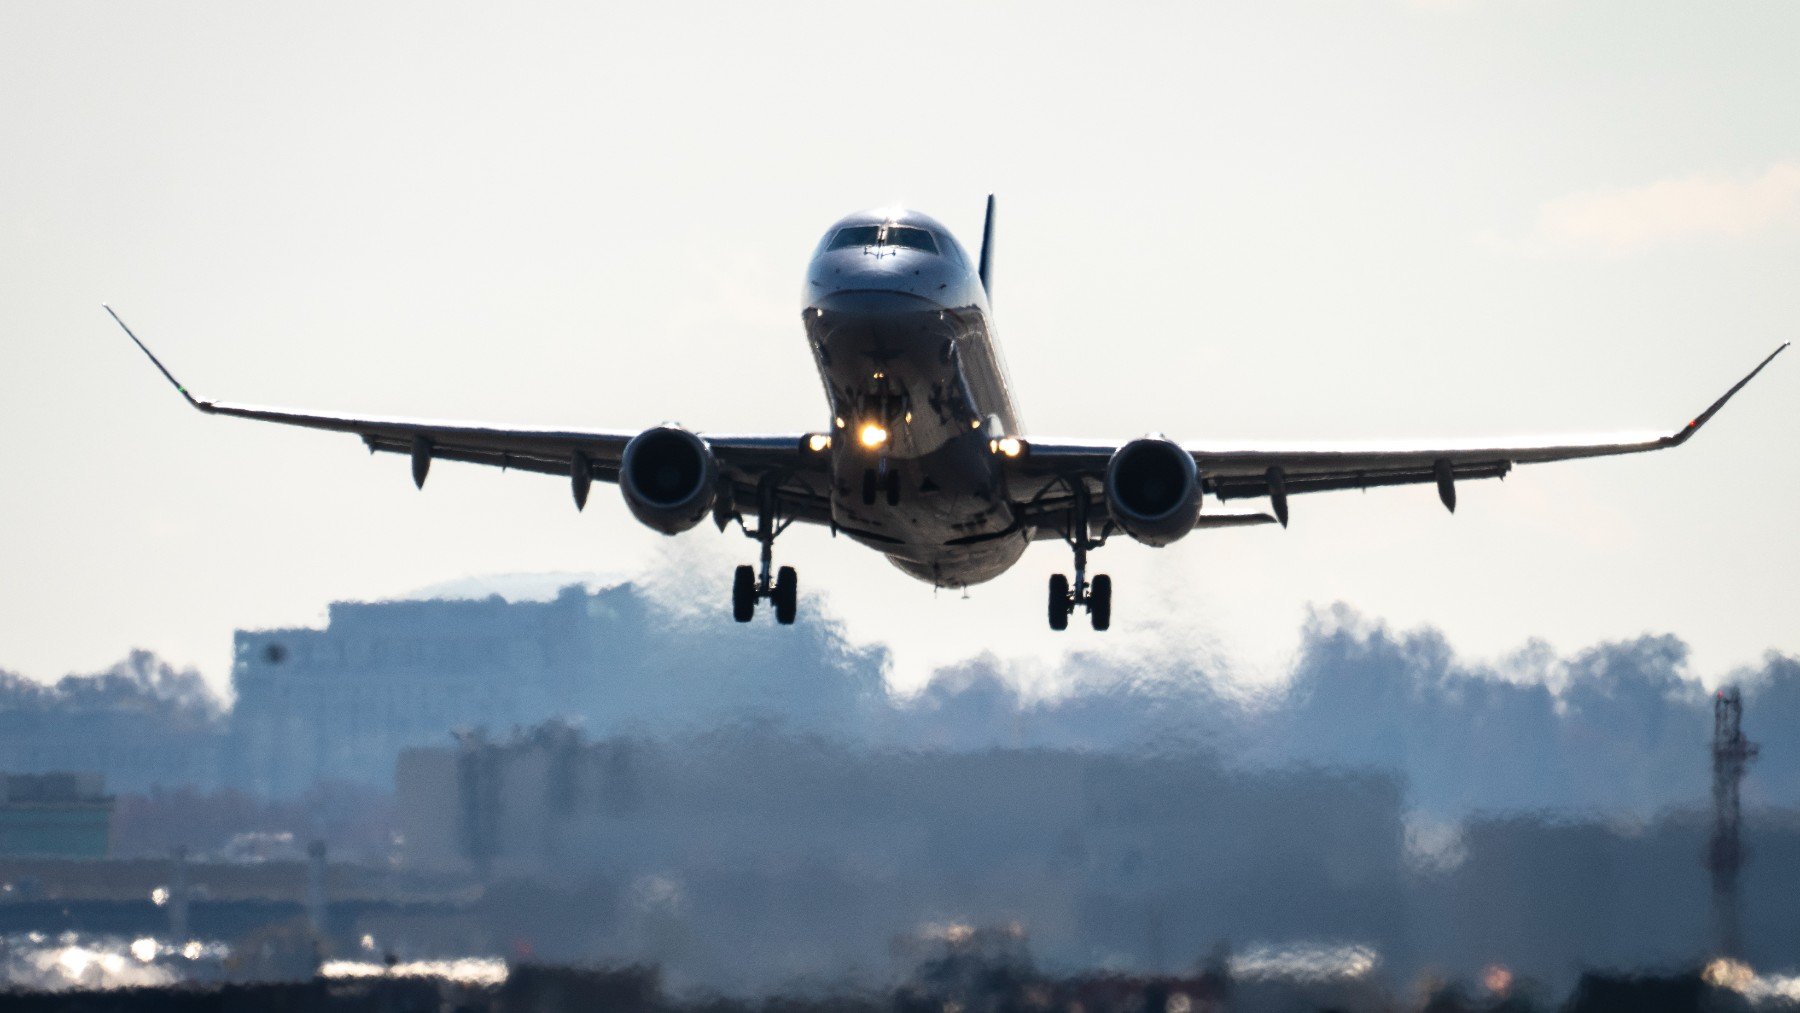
<point x="881" y="477"/>
<point x="748" y="586"/>
<point x="1095" y="595"/>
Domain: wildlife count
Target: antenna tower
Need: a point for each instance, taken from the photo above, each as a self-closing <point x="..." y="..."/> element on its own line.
<point x="1732" y="753"/>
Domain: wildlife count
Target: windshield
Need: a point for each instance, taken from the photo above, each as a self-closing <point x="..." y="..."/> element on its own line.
<point x="891" y="235"/>
<point x="856" y="235"/>
<point x="917" y="239"/>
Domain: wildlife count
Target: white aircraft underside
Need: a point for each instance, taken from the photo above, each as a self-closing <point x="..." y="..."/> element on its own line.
<point x="924" y="458"/>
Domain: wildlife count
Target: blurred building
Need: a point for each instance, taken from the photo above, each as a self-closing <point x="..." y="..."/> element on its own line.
<point x="1541" y="892"/>
<point x="798" y="849"/>
<point x="340" y="703"/>
<point x="59" y="815"/>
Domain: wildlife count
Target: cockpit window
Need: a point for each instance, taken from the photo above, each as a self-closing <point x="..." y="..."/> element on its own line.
<point x="917" y="239"/>
<point x="856" y="235"/>
<point x="890" y="235"/>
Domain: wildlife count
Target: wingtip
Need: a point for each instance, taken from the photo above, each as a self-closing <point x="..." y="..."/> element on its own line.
<point x="1713" y="409"/>
<point x="154" y="361"/>
<point x="1771" y="358"/>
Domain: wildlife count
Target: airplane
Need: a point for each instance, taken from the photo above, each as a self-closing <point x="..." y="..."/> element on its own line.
<point x="925" y="459"/>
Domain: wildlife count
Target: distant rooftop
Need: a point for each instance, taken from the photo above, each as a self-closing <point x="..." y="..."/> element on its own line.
<point x="43" y="789"/>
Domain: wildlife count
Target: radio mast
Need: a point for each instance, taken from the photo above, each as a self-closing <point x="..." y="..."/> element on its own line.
<point x="1732" y="753"/>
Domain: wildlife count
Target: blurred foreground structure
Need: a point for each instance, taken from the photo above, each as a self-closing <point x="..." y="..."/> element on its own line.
<point x="63" y="815"/>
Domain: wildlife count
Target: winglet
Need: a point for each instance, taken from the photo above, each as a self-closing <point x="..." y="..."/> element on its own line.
<point x="154" y="361"/>
<point x="1701" y="419"/>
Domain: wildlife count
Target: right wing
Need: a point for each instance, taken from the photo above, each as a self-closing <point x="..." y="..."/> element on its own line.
<point x="582" y="455"/>
<point x="1278" y="470"/>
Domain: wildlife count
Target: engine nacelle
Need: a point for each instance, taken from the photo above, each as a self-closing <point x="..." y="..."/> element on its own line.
<point x="669" y="478"/>
<point x="1153" y="490"/>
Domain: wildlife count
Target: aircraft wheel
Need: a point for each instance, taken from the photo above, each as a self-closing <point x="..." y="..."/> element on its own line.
<point x="743" y="594"/>
<point x="787" y="595"/>
<point x="1059" y="602"/>
<point x="868" y="487"/>
<point x="1100" y="601"/>
<point x="893" y="488"/>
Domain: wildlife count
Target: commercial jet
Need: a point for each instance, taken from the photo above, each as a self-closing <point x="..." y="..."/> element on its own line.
<point x="925" y="459"/>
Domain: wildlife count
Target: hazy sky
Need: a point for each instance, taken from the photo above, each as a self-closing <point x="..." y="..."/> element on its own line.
<point x="1349" y="218"/>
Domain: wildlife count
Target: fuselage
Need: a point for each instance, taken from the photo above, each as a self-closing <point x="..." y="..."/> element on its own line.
<point x="900" y="328"/>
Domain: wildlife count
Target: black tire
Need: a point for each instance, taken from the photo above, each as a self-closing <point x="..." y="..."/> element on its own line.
<point x="868" y="489"/>
<point x="1100" y="602"/>
<point x="743" y="594"/>
<point x="787" y="595"/>
<point x="1059" y="602"/>
<point x="893" y="488"/>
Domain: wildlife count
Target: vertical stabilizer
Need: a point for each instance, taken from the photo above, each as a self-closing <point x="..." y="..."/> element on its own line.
<point x="987" y="250"/>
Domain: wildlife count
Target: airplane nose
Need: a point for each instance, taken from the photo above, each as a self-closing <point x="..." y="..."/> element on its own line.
<point x="902" y="273"/>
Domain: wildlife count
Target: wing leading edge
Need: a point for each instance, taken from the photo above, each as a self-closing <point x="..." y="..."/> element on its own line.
<point x="1279" y="470"/>
<point x="582" y="455"/>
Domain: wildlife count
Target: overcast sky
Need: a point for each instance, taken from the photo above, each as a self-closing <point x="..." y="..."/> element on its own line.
<point x="1351" y="218"/>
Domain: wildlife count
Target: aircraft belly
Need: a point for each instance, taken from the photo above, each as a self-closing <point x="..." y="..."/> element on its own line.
<point x="951" y="525"/>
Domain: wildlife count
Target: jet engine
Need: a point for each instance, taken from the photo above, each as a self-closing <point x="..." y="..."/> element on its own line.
<point x="669" y="478"/>
<point x="1153" y="490"/>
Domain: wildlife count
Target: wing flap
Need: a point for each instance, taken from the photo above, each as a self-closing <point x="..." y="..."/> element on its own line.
<point x="1243" y="487"/>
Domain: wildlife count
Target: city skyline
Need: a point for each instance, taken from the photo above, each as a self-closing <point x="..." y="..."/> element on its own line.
<point x="1585" y="225"/>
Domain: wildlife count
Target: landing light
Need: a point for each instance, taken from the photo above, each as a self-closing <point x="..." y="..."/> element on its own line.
<point x="873" y="435"/>
<point x="818" y="442"/>
<point x="1011" y="446"/>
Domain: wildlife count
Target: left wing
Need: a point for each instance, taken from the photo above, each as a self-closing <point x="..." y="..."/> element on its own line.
<point x="1278" y="470"/>
<point x="581" y="455"/>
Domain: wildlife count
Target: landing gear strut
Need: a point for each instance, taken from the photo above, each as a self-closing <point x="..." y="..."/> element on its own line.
<point x="748" y="585"/>
<point x="1095" y="595"/>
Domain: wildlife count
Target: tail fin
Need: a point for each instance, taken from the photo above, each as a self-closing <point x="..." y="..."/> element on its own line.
<point x="987" y="250"/>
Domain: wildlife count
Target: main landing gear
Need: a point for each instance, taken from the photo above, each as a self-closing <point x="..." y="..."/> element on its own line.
<point x="1095" y="595"/>
<point x="748" y="586"/>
